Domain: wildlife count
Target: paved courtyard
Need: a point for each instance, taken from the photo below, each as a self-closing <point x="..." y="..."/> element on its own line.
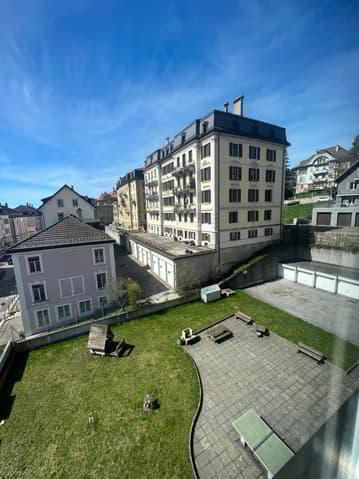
<point x="292" y="392"/>
<point x="332" y="312"/>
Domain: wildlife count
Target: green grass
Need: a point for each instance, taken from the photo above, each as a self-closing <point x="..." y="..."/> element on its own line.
<point x="47" y="433"/>
<point x="296" y="211"/>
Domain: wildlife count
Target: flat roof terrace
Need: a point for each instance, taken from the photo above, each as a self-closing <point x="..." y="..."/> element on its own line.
<point x="168" y="247"/>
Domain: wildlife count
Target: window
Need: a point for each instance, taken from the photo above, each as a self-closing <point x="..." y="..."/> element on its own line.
<point x="85" y="307"/>
<point x="184" y="159"/>
<point x="60" y="203"/>
<point x="206" y="196"/>
<point x="233" y="217"/>
<point x="34" y="264"/>
<point x="190" y="156"/>
<point x="99" y="255"/>
<point x="206" y="150"/>
<point x="252" y="233"/>
<point x="253" y="196"/>
<point x="271" y="155"/>
<point x="204" y="127"/>
<point x="38" y="293"/>
<point x="101" y="279"/>
<point x="270" y="176"/>
<point x="60" y="216"/>
<point x="43" y="318"/>
<point x="234" y="235"/>
<point x="234" y="196"/>
<point x="267" y="214"/>
<point x="268" y="231"/>
<point x="75" y="202"/>
<point x="71" y="286"/>
<point x="253" y="174"/>
<point x="268" y="194"/>
<point x="253" y="215"/>
<point x="235" y="173"/>
<point x="206" y="174"/>
<point x="63" y="312"/>
<point x="206" y="237"/>
<point x="206" y="218"/>
<point x="235" y="149"/>
<point x="183" y="138"/>
<point x="254" y="152"/>
<point x="102" y="302"/>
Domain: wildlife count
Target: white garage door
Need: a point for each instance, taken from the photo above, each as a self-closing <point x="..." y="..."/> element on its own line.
<point x="155" y="264"/>
<point x="289" y="273"/>
<point x="170" y="275"/>
<point x="326" y="282"/>
<point x="305" y="277"/>
<point x="348" y="288"/>
<point x="162" y="265"/>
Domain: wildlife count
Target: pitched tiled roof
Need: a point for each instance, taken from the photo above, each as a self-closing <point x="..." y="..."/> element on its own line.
<point x="337" y="152"/>
<point x="5" y="210"/>
<point x="68" y="232"/>
<point x="348" y="171"/>
<point x="27" y="210"/>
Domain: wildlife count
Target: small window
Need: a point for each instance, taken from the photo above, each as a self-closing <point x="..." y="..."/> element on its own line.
<point x="235" y="149"/>
<point x="206" y="196"/>
<point x="34" y="264"/>
<point x="268" y="231"/>
<point x="43" y="318"/>
<point x="63" y="312"/>
<point x="234" y="235"/>
<point x="99" y="255"/>
<point x="85" y="307"/>
<point x="60" y="216"/>
<point x="253" y="196"/>
<point x="233" y="217"/>
<point x="270" y="176"/>
<point x="235" y="173"/>
<point x="267" y="214"/>
<point x="206" y="237"/>
<point x="253" y="174"/>
<point x="268" y="194"/>
<point x="253" y="215"/>
<point x="101" y="280"/>
<point x="38" y="293"/>
<point x="234" y="195"/>
<point x="206" y="174"/>
<point x="75" y="202"/>
<point x="254" y="152"/>
<point x="206" y="218"/>
<point x="190" y="156"/>
<point x="206" y="150"/>
<point x="60" y="203"/>
<point x="252" y="233"/>
<point x="271" y="155"/>
<point x="204" y="127"/>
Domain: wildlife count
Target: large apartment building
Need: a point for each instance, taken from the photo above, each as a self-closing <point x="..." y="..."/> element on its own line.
<point x="129" y="210"/>
<point x="218" y="184"/>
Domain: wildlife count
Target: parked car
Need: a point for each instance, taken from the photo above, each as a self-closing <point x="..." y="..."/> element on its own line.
<point x="322" y="199"/>
<point x="291" y="202"/>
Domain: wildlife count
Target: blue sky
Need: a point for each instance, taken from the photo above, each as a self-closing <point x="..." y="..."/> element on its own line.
<point x="89" y="88"/>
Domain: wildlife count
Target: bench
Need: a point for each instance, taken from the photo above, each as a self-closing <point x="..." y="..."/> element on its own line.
<point x="220" y="334"/>
<point x="311" y="352"/>
<point x="187" y="337"/>
<point x="243" y="317"/>
<point x="261" y="330"/>
<point x="266" y="446"/>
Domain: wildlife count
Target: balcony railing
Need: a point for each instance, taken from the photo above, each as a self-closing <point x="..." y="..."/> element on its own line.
<point x="152" y="197"/>
<point x="189" y="188"/>
<point x="183" y="169"/>
<point x="152" y="183"/>
<point x="185" y="208"/>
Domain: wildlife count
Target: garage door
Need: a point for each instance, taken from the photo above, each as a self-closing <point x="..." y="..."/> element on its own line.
<point x="162" y="274"/>
<point x="344" y="219"/>
<point x="170" y="275"/>
<point x="305" y="277"/>
<point x="289" y="273"/>
<point x="348" y="288"/>
<point x="326" y="282"/>
<point x="323" y="219"/>
<point x="155" y="264"/>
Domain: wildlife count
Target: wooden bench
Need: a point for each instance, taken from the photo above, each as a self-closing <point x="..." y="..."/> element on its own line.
<point x="220" y="334"/>
<point x="261" y="330"/>
<point x="266" y="446"/>
<point x="243" y="317"/>
<point x="311" y="352"/>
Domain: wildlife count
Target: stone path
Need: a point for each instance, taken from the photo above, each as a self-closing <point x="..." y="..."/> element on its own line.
<point x="292" y="392"/>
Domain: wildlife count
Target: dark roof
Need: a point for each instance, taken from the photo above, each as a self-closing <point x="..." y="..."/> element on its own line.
<point x="348" y="171"/>
<point x="136" y="174"/>
<point x="69" y="231"/>
<point x="26" y="210"/>
<point x="341" y="155"/>
<point x="90" y="201"/>
<point x="5" y="210"/>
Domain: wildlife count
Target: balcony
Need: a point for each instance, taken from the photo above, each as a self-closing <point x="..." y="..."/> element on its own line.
<point x="152" y="183"/>
<point x="152" y="197"/>
<point x="185" y="208"/>
<point x="182" y="170"/>
<point x="186" y="189"/>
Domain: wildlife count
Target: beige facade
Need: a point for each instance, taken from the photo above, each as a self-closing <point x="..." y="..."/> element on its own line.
<point x="129" y="212"/>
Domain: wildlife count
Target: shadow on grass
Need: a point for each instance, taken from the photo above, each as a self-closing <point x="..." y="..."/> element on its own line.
<point x="15" y="374"/>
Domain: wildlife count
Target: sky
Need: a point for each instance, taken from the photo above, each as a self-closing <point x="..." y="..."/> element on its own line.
<point x="89" y="88"/>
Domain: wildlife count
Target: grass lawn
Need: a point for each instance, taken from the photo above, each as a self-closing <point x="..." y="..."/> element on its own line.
<point x="47" y="432"/>
<point x="296" y="211"/>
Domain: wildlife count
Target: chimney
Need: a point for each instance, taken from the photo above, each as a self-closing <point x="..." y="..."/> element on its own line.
<point x="238" y="106"/>
<point x="337" y="148"/>
<point x="72" y="187"/>
<point x="226" y="106"/>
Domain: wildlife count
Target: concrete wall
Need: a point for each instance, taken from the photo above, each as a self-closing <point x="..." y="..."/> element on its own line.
<point x="260" y="271"/>
<point x="6" y="359"/>
<point x="335" y="212"/>
<point x="59" y="264"/>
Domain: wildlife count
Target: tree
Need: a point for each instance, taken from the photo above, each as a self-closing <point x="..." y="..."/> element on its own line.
<point x="117" y="291"/>
<point x="290" y="177"/>
<point x="354" y="151"/>
<point x="187" y="282"/>
<point x="134" y="292"/>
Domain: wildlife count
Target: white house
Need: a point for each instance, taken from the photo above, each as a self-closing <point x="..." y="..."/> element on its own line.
<point x="66" y="201"/>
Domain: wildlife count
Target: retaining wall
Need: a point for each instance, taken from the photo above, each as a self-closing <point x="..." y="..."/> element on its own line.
<point x="6" y="359"/>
